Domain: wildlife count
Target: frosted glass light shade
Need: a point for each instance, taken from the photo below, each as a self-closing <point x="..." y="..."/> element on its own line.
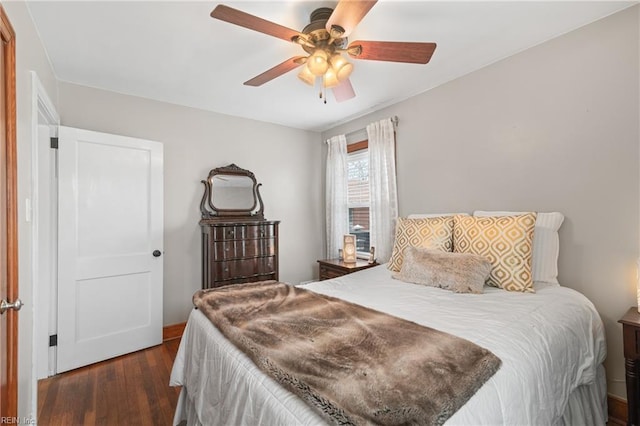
<point x="341" y="66"/>
<point x="318" y="62"/>
<point x="306" y="76"/>
<point x="330" y="79"/>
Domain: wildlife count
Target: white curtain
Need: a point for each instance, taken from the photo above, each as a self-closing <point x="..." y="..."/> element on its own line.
<point x="336" y="201"/>
<point x="382" y="187"/>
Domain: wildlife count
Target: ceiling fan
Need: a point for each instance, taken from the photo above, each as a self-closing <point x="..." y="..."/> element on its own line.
<point x="325" y="40"/>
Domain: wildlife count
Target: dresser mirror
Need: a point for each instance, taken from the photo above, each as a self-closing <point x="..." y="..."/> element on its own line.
<point x="231" y="192"/>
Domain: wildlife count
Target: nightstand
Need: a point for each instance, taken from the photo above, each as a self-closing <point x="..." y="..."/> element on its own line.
<point x="333" y="268"/>
<point x="631" y="338"/>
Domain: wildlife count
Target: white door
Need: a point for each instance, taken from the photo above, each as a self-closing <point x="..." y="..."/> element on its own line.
<point x="109" y="242"/>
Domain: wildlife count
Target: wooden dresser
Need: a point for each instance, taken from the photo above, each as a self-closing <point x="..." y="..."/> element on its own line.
<point x="238" y="244"/>
<point x="234" y="252"/>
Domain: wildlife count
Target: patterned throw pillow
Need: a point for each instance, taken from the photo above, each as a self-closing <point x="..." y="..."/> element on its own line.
<point x="434" y="232"/>
<point x="507" y="241"/>
<point x="546" y="243"/>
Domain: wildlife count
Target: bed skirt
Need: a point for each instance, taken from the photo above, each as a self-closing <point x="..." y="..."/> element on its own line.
<point x="588" y="403"/>
<point x="587" y="406"/>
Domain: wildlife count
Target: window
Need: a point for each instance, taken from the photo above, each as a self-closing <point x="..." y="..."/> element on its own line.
<point x="358" y="197"/>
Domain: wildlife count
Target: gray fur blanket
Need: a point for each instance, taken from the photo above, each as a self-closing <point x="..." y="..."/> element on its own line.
<point x="352" y="364"/>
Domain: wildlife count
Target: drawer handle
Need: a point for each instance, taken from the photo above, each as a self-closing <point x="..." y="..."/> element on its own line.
<point x="230" y="232"/>
<point x="226" y="269"/>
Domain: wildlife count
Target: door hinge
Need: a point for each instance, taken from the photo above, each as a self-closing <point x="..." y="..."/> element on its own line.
<point x="53" y="340"/>
<point x="54" y="143"/>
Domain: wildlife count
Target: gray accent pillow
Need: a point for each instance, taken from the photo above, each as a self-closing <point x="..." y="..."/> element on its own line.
<point x="458" y="272"/>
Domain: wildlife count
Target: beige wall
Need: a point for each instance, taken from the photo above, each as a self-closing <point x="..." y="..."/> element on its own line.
<point x="284" y="160"/>
<point x="554" y="128"/>
<point x="30" y="56"/>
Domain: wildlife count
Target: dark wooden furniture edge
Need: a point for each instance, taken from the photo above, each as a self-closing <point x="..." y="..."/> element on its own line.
<point x="631" y="341"/>
<point x="334" y="268"/>
<point x="170" y="332"/>
<point x="360" y="263"/>
<point x="631" y="317"/>
<point x="617" y="410"/>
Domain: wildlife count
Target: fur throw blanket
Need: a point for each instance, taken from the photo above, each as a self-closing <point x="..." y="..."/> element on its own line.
<point x="352" y="364"/>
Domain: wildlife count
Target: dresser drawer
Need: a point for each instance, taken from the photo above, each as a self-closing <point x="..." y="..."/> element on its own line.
<point x="327" y="273"/>
<point x="256" y="248"/>
<point x="251" y="279"/>
<point x="241" y="232"/>
<point x="244" y="268"/>
<point x="239" y="249"/>
<point x="224" y="233"/>
<point x="259" y="231"/>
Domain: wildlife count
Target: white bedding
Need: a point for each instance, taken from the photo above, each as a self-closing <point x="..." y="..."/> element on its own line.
<point x="550" y="343"/>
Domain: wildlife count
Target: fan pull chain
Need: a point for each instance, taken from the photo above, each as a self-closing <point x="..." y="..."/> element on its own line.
<point x="323" y="90"/>
<point x="323" y="96"/>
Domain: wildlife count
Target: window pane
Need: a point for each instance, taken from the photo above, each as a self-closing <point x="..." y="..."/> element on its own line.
<point x="359" y="226"/>
<point x="358" y="197"/>
<point x="358" y="178"/>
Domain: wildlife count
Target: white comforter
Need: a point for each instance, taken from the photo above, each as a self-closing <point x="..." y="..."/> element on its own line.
<point x="550" y="343"/>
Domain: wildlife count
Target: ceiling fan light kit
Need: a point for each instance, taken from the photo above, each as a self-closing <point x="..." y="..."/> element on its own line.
<point x="330" y="79"/>
<point x="318" y="62"/>
<point x="307" y="76"/>
<point x="324" y="40"/>
<point x="333" y="70"/>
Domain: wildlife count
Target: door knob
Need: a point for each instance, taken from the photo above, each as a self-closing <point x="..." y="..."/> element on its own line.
<point x="4" y="305"/>
<point x="157" y="253"/>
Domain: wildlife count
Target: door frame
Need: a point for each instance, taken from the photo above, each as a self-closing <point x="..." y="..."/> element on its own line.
<point x="43" y="112"/>
<point x="9" y="39"/>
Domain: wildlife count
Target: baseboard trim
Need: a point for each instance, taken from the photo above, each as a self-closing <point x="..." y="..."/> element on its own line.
<point x="617" y="410"/>
<point x="174" y="331"/>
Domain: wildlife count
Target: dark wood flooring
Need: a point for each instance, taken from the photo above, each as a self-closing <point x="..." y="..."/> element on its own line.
<point x="129" y="390"/>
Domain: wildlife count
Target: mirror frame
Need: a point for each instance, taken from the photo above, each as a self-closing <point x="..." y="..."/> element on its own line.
<point x="209" y="211"/>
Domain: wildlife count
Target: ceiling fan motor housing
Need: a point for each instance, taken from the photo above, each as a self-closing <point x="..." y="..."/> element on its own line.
<point x="318" y="35"/>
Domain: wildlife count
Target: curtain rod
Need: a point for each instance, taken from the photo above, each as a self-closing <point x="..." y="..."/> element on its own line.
<point x="394" y="121"/>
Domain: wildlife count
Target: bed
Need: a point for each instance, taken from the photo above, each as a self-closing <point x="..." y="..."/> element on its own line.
<point x="549" y="339"/>
<point x="551" y="344"/>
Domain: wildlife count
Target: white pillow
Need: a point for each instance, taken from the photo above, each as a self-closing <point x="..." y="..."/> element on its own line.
<point x="546" y="243"/>
<point x="427" y="215"/>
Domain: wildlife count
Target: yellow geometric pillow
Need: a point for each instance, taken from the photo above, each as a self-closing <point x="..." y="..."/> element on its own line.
<point x="434" y="232"/>
<point x="507" y="241"/>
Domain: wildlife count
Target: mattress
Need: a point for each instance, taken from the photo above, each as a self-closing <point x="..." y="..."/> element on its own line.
<point x="551" y="343"/>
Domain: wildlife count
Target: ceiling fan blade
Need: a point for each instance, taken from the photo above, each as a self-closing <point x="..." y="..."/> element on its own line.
<point x="276" y="71"/>
<point x="393" y="51"/>
<point x="344" y="91"/>
<point x="349" y="13"/>
<point x="237" y="17"/>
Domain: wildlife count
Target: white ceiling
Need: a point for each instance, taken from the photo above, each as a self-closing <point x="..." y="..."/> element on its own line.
<point x="175" y="52"/>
